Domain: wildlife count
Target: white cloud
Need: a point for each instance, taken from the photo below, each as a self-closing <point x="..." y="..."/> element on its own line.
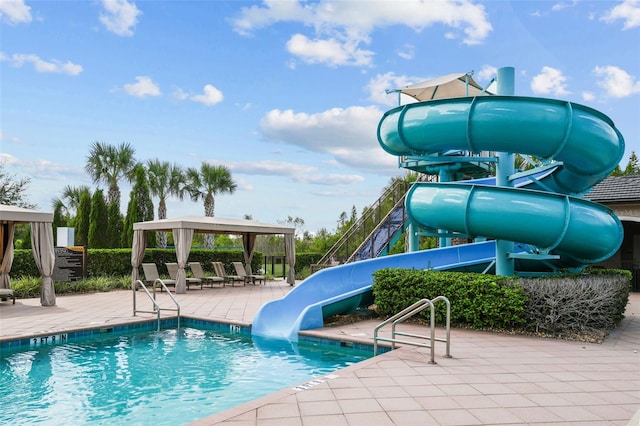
<point x="119" y="16"/>
<point x="549" y="81"/>
<point x="617" y="82"/>
<point x="210" y="96"/>
<point x="144" y="86"/>
<point x="588" y="96"/>
<point x="180" y="94"/>
<point x="563" y="5"/>
<point x="8" y="138"/>
<point x="15" y="12"/>
<point x="341" y="28"/>
<point x="486" y="73"/>
<point x="331" y="52"/>
<point x="42" y="169"/>
<point x="628" y="11"/>
<point x="347" y="135"/>
<point x="269" y="168"/>
<point x="299" y="173"/>
<point x="40" y="65"/>
<point x="329" y="179"/>
<point x="408" y="52"/>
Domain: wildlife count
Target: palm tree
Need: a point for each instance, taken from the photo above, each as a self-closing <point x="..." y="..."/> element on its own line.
<point x="165" y="180"/>
<point x="205" y="184"/>
<point x="108" y="164"/>
<point x="70" y="198"/>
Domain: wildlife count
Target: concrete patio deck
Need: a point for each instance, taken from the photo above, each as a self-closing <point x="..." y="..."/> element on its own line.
<point x="491" y="378"/>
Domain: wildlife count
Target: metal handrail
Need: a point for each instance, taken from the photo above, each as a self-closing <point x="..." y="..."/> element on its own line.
<point x="408" y="312"/>
<point x="360" y="230"/>
<point x="385" y="222"/>
<point x="156" y="307"/>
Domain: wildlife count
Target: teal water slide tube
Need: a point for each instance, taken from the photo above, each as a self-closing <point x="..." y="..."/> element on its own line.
<point x="343" y="288"/>
<point x="582" y="142"/>
<point x="583" y="145"/>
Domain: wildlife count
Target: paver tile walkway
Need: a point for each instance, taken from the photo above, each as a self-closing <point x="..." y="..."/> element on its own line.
<point x="490" y="379"/>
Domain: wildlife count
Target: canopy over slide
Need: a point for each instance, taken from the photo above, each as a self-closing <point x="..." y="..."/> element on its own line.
<point x="184" y="227"/>
<point x="448" y="86"/>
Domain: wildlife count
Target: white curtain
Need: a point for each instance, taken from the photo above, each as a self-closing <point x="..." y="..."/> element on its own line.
<point x="45" y="257"/>
<point x="249" y="243"/>
<point x="137" y="254"/>
<point x="290" y="254"/>
<point x="182" y="239"/>
<point x="6" y="244"/>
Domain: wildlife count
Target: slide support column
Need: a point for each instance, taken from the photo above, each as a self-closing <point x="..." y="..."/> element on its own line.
<point x="506" y="86"/>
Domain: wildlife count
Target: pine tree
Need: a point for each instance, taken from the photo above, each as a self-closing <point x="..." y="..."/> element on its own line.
<point x="98" y="222"/>
<point x="140" y="208"/>
<point x="82" y="219"/>
<point x="114" y="225"/>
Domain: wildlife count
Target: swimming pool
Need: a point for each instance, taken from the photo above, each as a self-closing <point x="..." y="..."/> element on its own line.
<point x="169" y="377"/>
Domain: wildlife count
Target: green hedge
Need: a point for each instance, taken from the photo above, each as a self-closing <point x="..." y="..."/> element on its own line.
<point x="477" y="300"/>
<point x="588" y="304"/>
<point x="117" y="262"/>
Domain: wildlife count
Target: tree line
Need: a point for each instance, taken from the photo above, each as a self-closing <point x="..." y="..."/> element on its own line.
<point x="99" y="223"/>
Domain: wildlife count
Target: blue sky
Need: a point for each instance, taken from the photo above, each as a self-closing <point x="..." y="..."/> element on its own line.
<point x="287" y="94"/>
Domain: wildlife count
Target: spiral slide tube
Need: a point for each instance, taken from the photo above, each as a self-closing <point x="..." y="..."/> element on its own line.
<point x="584" y="143"/>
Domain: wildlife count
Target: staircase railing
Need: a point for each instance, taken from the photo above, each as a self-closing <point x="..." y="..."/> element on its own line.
<point x="368" y="224"/>
<point x="382" y="234"/>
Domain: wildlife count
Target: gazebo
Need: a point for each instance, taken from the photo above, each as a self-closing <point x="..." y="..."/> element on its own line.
<point x="183" y="229"/>
<point x="41" y="246"/>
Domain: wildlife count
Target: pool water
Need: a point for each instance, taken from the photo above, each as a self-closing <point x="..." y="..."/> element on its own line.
<point x="170" y="377"/>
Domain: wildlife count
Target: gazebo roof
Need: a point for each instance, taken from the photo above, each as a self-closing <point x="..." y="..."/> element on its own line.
<point x="213" y="225"/>
<point x="21" y="215"/>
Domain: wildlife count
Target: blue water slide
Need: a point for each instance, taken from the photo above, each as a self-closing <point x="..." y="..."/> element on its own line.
<point x="343" y="288"/>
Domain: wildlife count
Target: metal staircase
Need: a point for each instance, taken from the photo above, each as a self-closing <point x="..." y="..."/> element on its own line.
<point x="375" y="231"/>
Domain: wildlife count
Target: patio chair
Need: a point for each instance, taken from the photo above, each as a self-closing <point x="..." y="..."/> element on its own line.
<point x="151" y="274"/>
<point x="6" y="293"/>
<point x="172" y="268"/>
<point x="241" y="270"/>
<point x="219" y="267"/>
<point x="198" y="272"/>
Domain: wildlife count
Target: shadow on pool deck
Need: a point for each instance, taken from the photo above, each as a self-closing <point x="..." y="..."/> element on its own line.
<point x="491" y="378"/>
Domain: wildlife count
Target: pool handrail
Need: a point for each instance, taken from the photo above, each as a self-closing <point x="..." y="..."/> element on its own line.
<point x="156" y="306"/>
<point x="409" y="312"/>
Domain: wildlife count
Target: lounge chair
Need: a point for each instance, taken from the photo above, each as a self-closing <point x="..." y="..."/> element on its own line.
<point x="241" y="270"/>
<point x="172" y="268"/>
<point x="6" y="293"/>
<point x="220" y="271"/>
<point x="198" y="272"/>
<point x="151" y="274"/>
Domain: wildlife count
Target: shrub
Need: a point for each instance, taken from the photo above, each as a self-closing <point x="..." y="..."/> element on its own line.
<point x="585" y="305"/>
<point x="592" y="303"/>
<point x="478" y="301"/>
<point x="26" y="287"/>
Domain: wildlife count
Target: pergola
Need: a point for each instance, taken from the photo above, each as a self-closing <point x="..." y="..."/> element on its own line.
<point x="183" y="229"/>
<point x="41" y="246"/>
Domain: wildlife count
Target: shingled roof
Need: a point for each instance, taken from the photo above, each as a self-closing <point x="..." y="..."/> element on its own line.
<point x="616" y="189"/>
